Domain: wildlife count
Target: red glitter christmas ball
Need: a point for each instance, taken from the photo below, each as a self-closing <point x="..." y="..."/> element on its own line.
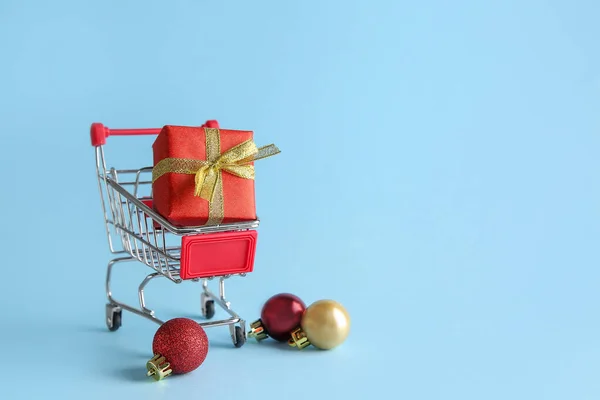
<point x="281" y="314"/>
<point x="183" y="342"/>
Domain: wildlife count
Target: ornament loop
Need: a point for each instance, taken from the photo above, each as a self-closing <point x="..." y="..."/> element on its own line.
<point x="257" y="331"/>
<point x="299" y="339"/>
<point x="158" y="367"/>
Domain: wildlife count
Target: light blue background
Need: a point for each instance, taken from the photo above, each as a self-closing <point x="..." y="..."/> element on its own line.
<point x="438" y="177"/>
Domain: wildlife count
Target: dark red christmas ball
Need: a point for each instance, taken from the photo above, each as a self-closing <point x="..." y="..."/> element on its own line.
<point x="183" y="342"/>
<point x="281" y="314"/>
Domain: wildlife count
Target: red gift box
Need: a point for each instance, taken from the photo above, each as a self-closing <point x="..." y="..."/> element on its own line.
<point x="205" y="175"/>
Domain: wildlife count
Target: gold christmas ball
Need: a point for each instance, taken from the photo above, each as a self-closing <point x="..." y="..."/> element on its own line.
<point x="326" y="324"/>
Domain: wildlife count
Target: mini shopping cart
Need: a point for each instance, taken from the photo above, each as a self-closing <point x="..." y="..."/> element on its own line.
<point x="137" y="233"/>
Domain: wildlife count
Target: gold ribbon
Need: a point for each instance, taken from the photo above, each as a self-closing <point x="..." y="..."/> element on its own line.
<point x="209" y="173"/>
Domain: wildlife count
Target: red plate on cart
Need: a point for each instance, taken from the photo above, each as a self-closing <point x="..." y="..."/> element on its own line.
<point x="217" y="254"/>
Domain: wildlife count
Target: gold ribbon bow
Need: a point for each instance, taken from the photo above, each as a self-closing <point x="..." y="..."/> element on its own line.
<point x="208" y="173"/>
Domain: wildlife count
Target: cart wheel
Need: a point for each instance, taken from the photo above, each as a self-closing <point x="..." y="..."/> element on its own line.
<point x="113" y="320"/>
<point x="208" y="309"/>
<point x="240" y="338"/>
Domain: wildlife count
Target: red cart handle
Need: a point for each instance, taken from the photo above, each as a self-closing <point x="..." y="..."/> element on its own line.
<point x="99" y="132"/>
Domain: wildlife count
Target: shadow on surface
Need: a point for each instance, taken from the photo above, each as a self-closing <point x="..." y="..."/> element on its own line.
<point x="223" y="341"/>
<point x="278" y="346"/>
<point x="92" y="329"/>
<point x="133" y="373"/>
<point x="138" y="374"/>
<point x="109" y="342"/>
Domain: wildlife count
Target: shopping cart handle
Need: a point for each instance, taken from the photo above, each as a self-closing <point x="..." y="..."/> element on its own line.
<point x="99" y="132"/>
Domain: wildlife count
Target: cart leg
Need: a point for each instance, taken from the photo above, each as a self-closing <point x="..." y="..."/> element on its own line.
<point x="222" y="293"/>
<point x="108" y="276"/>
<point x="208" y="304"/>
<point x="141" y="292"/>
<point x="114" y="312"/>
<point x="237" y="326"/>
<point x="238" y="332"/>
<point x="115" y="308"/>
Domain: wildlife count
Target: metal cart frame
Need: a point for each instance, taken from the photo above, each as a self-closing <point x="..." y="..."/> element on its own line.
<point x="136" y="232"/>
